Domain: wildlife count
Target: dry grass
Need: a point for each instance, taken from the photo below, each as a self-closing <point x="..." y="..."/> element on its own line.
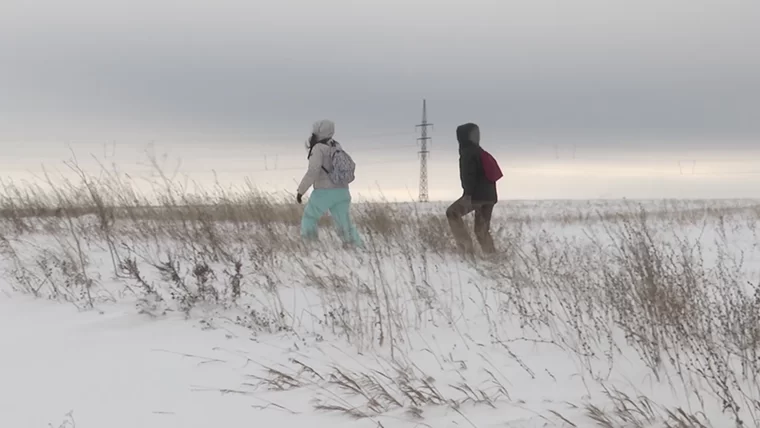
<point x="68" y="422"/>
<point x="633" y="282"/>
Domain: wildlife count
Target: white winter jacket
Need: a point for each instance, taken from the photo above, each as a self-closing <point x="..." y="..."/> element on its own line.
<point x="320" y="160"/>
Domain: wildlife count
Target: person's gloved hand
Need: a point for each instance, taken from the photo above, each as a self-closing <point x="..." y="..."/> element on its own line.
<point x="299" y="197"/>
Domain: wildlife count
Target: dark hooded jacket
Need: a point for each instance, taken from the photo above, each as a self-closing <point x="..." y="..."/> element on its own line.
<point x="471" y="173"/>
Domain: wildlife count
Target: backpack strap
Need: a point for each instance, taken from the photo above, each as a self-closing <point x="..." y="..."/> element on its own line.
<point x="314" y="143"/>
<point x="334" y="145"/>
<point x="329" y="143"/>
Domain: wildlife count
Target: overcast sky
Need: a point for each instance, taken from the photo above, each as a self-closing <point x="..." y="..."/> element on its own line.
<point x="590" y="82"/>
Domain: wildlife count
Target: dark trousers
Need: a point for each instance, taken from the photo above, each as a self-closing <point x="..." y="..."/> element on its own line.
<point x="483" y="212"/>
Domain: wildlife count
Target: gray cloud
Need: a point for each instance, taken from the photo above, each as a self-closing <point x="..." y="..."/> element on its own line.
<point x="587" y="71"/>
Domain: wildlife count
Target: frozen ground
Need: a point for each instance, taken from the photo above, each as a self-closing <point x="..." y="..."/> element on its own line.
<point x="586" y="320"/>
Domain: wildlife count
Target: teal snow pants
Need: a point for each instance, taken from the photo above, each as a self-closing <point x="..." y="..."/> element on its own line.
<point x="338" y="202"/>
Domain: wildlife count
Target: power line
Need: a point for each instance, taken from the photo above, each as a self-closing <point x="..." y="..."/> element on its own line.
<point x="301" y="168"/>
<point x="674" y="170"/>
<point x="294" y="168"/>
<point x="274" y="158"/>
<point x="683" y="168"/>
<point x="351" y="140"/>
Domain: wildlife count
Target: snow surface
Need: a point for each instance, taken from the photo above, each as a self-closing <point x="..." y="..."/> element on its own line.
<point x="113" y="366"/>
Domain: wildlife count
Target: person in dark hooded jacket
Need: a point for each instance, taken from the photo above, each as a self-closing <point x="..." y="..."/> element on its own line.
<point x="479" y="194"/>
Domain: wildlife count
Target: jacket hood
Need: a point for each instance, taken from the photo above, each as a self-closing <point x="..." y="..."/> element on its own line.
<point x="468" y="133"/>
<point x="323" y="129"/>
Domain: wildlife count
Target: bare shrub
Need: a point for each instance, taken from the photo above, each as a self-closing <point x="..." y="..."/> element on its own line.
<point x="68" y="422"/>
<point x="367" y="394"/>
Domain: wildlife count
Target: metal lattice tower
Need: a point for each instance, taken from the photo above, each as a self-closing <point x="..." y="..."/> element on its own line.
<point x="424" y="153"/>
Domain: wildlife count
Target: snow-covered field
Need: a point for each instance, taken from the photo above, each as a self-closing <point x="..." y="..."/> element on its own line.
<point x="594" y="314"/>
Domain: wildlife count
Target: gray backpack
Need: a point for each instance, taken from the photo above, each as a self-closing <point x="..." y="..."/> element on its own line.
<point x="343" y="166"/>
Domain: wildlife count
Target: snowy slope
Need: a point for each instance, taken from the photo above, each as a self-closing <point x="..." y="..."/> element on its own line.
<point x="405" y="334"/>
<point x="118" y="369"/>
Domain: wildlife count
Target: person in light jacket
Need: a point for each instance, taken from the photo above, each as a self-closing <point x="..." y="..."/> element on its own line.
<point x="326" y="196"/>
